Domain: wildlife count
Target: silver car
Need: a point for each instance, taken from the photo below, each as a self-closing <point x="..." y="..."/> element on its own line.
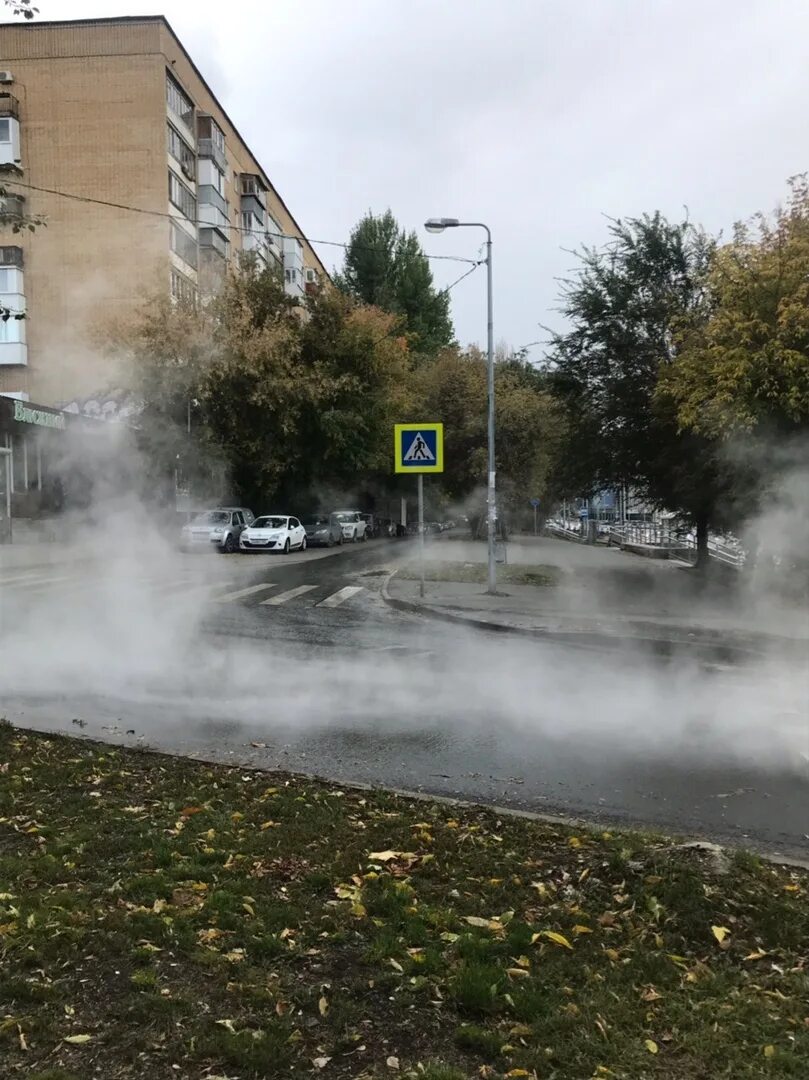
<point x="218" y="529"/>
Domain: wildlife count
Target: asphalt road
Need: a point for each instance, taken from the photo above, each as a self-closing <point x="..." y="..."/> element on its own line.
<point x="297" y="663"/>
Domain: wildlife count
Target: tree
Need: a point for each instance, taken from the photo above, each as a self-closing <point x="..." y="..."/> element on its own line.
<point x="623" y="307"/>
<point x="285" y="403"/>
<point x="452" y="389"/>
<point x="743" y="365"/>
<point x="386" y="267"/>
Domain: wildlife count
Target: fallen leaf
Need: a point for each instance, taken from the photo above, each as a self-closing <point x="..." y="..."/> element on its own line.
<point x="650" y="994"/>
<point x="385" y="856"/>
<point x="392" y="1062"/>
<point x="475" y="920"/>
<point x="518" y="1072"/>
<point x="21" y="1038"/>
<point x="323" y="1006"/>
<point x="551" y="935"/>
<point x="769" y="1051"/>
<point x="78" y="1040"/>
<point x="395" y="964"/>
<point x="321" y="1062"/>
<point x="650" y="1045"/>
<point x="228" y="1025"/>
<point x="574" y="842"/>
<point x="517" y="973"/>
<point x="720" y="933"/>
<point x="755" y="955"/>
<point x="578" y="929"/>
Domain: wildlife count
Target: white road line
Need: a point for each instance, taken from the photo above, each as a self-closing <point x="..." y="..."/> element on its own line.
<point x="26" y="575"/>
<point x="38" y="584"/>
<point x="290" y="594"/>
<point x="340" y="596"/>
<point x="229" y="598"/>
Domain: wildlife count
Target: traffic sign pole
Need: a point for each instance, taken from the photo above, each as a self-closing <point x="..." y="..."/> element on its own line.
<point x="535" y="521"/>
<point x="421" y="533"/>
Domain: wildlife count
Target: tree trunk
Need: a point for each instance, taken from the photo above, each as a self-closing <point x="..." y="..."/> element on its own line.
<point x="703" y="558"/>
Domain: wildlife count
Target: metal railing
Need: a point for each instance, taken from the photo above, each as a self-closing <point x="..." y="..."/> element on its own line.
<point x="677" y="541"/>
<point x="207" y="148"/>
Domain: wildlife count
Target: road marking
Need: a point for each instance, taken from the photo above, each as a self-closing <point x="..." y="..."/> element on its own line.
<point x="229" y="598"/>
<point x="37" y="584"/>
<point x="290" y="594"/>
<point x="340" y="596"/>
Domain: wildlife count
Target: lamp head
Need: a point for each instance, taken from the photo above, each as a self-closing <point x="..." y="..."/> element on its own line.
<point x="437" y="225"/>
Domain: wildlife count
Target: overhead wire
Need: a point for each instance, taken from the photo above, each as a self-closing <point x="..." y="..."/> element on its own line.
<point x="199" y="222"/>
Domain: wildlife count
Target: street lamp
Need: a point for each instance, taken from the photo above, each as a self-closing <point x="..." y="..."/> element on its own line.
<point x="437" y="225"/>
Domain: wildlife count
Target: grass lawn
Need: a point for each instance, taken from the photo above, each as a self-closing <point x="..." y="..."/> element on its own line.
<point x="476" y="573"/>
<point x="162" y="918"/>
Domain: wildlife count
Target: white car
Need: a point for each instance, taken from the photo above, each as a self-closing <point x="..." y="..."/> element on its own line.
<point x="219" y="528"/>
<point x="274" y="532"/>
<point x="354" y="526"/>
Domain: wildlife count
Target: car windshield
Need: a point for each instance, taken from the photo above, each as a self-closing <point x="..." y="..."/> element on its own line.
<point x="213" y="517"/>
<point x="269" y="523"/>
<point x="317" y="523"/>
<point x="344" y="517"/>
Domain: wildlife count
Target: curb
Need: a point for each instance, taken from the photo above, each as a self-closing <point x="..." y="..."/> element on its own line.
<point x="579" y="638"/>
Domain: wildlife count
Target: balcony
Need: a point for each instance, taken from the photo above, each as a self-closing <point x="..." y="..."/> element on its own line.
<point x="12" y="208"/>
<point x="207" y="148"/>
<point x="11" y="256"/>
<point x="208" y="195"/>
<point x="253" y="186"/>
<point x="13" y="353"/>
<point x="213" y="240"/>
<point x="252" y="205"/>
<point x="9" y="106"/>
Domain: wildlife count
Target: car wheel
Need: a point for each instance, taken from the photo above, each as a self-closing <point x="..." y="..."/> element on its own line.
<point x="330" y="542"/>
<point x="364" y="536"/>
<point x="354" y="537"/>
<point x="286" y="547"/>
<point x="229" y="545"/>
<point x="303" y="544"/>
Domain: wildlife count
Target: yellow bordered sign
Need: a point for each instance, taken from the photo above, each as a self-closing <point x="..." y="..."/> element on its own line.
<point x="418" y="448"/>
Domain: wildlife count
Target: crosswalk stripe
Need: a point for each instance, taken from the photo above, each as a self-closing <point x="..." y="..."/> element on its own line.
<point x="39" y="584"/>
<point x="340" y="596"/>
<point x="290" y="594"/>
<point x="229" y="598"/>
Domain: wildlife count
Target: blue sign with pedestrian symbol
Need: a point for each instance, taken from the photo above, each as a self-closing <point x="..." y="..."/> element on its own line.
<point x="535" y="503"/>
<point x="418" y="448"/>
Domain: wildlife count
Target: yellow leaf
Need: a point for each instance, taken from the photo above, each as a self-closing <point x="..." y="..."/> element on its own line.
<point x="395" y="965"/>
<point x="517" y="973"/>
<point x="323" y="1006"/>
<point x="720" y="933"/>
<point x="228" y="1025"/>
<point x="78" y="1040"/>
<point x="651" y="1046"/>
<point x="574" y="842"/>
<point x="769" y="1051"/>
<point x="268" y="825"/>
<point x="613" y="954"/>
<point x="392" y="1062"/>
<point x="388" y="856"/>
<point x="581" y="929"/>
<point x="484" y="924"/>
<point x="518" y="1072"/>
<point x="557" y="939"/>
<point x="755" y="955"/>
<point x="447" y="936"/>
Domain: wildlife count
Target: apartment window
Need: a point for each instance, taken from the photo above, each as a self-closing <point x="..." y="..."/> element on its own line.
<point x="250" y="222"/>
<point x="10" y="280"/>
<point x="11" y="330"/>
<point x="180" y="150"/>
<point x="179" y="102"/>
<point x="217" y="137"/>
<point x="274" y="229"/>
<point x="5" y="129"/>
<point x="291" y="276"/>
<point x="181" y="197"/>
<point x="183" y="245"/>
<point x="182" y="289"/>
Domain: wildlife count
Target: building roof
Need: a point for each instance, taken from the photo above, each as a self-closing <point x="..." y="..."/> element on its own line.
<point x="123" y="19"/>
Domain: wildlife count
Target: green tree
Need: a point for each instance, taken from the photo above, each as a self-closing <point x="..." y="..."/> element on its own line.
<point x="623" y="307"/>
<point x="285" y="403"/>
<point x="743" y="365"/>
<point x="386" y="267"/>
<point x="452" y="389"/>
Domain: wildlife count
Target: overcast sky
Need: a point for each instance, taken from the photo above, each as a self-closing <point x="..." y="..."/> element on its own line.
<point x="538" y="117"/>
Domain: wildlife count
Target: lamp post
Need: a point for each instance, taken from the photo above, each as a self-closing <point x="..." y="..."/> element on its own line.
<point x="437" y="225"/>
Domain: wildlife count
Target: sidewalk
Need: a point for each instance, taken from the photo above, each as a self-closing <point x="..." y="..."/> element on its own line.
<point x="605" y="593"/>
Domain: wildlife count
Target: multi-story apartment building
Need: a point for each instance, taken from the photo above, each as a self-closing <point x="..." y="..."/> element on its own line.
<point x="109" y="133"/>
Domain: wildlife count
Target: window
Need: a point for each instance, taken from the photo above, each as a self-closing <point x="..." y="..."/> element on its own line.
<point x="178" y="101"/>
<point x="182" y="289"/>
<point x="179" y="149"/>
<point x="183" y="245"/>
<point x="10" y="280"/>
<point x="217" y="137"/>
<point x="291" y="276"/>
<point x="11" y="330"/>
<point x="181" y="197"/>
<point x="250" y="223"/>
<point x="5" y="129"/>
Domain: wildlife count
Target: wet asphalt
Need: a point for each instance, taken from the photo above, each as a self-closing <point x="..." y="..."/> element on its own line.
<point x="356" y="691"/>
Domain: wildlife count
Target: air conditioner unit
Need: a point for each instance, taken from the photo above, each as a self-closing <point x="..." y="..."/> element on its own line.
<point x="311" y="276"/>
<point x="6" y="77"/>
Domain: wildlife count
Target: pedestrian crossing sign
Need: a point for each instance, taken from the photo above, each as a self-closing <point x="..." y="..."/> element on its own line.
<point x="418" y="448"/>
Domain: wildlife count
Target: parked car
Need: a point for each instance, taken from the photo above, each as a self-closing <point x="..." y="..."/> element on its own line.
<point x="274" y="532"/>
<point x="353" y="526"/>
<point x="324" y="530"/>
<point x="372" y="524"/>
<point x="220" y="528"/>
